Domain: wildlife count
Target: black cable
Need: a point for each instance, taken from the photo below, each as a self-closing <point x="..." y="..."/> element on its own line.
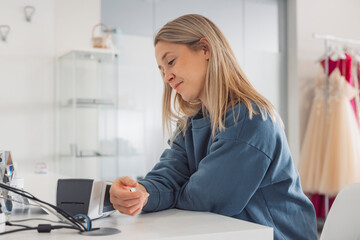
<point x="16" y="225"/>
<point x="23" y="193"/>
<point x="42" y="228"/>
<point x="46" y="228"/>
<point x="41" y="219"/>
<point x="18" y="230"/>
<point x="59" y="210"/>
<point x="44" y="219"/>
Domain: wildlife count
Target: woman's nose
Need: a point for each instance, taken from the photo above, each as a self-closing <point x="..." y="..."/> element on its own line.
<point x="168" y="77"/>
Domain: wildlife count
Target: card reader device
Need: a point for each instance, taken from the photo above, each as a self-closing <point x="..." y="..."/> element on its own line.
<point x="84" y="196"/>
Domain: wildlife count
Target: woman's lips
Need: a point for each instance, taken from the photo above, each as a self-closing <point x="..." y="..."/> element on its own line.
<point x="177" y="85"/>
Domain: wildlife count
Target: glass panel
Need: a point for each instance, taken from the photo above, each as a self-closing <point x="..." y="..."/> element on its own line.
<point x="88" y="83"/>
<point x="140" y="93"/>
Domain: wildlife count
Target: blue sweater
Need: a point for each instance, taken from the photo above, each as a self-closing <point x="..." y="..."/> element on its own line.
<point x="245" y="172"/>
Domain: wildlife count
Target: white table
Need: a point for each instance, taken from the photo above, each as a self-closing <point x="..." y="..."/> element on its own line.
<point x="170" y="224"/>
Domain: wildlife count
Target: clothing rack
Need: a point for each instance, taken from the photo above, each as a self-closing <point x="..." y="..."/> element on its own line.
<point x="327" y="39"/>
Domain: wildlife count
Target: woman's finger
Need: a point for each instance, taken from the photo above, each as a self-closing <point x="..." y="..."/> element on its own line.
<point x="127" y="203"/>
<point x="124" y="194"/>
<point x="127" y="210"/>
<point x="128" y="181"/>
<point x="130" y="203"/>
<point x="137" y="211"/>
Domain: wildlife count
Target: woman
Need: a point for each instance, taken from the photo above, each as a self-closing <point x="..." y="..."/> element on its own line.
<point x="229" y="154"/>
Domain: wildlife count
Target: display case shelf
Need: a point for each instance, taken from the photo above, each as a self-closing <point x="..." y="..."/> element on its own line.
<point x="88" y="103"/>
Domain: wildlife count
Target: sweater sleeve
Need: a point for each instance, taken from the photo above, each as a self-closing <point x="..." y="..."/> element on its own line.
<point x="226" y="178"/>
<point x="165" y="180"/>
<point x="224" y="182"/>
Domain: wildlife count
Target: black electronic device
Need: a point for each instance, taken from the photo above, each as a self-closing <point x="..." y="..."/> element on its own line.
<point x="84" y="196"/>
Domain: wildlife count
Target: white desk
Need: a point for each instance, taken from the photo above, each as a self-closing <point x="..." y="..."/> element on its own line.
<point x="170" y="224"/>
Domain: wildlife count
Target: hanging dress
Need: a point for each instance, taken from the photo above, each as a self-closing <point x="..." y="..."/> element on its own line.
<point x="341" y="163"/>
<point x="345" y="67"/>
<point x="330" y="154"/>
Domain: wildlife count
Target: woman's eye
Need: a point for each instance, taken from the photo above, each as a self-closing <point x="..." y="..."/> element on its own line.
<point x="171" y="62"/>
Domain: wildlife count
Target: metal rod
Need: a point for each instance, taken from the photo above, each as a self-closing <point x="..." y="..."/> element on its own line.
<point x="326" y="206"/>
<point x="336" y="39"/>
<point x="326" y="75"/>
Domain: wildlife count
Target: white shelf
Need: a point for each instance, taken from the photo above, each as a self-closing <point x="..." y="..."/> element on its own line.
<point x="98" y="50"/>
<point x="89" y="103"/>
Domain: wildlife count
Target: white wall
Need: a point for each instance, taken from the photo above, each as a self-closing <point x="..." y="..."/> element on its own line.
<point x="27" y="77"/>
<point x="332" y="17"/>
<point x="74" y="21"/>
<point x="27" y="82"/>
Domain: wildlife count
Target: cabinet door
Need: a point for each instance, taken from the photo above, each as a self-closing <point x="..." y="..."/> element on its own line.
<point x="88" y="89"/>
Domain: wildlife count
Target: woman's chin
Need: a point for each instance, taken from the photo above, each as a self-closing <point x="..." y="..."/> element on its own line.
<point x="186" y="99"/>
<point x="189" y="99"/>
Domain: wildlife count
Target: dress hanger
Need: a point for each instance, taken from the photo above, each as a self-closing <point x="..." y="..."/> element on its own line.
<point x="337" y="54"/>
<point x="325" y="54"/>
<point x="357" y="56"/>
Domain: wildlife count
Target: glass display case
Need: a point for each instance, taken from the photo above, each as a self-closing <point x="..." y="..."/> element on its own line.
<point x="87" y="116"/>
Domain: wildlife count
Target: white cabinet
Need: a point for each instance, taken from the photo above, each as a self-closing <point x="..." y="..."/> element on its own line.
<point x="87" y="117"/>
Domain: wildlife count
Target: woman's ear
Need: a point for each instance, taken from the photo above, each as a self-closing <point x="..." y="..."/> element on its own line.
<point x="205" y="47"/>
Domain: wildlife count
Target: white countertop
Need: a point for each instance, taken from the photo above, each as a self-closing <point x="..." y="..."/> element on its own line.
<point x="169" y="224"/>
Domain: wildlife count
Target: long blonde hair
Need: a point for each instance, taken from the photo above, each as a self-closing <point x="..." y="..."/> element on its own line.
<point x="225" y="84"/>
